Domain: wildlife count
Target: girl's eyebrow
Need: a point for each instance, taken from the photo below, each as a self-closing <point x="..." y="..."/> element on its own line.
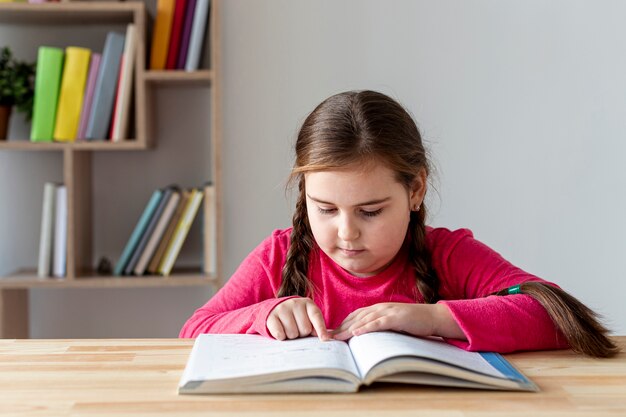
<point x="365" y="203"/>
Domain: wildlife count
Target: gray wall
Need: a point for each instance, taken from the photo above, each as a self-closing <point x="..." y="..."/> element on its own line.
<point x="522" y="104"/>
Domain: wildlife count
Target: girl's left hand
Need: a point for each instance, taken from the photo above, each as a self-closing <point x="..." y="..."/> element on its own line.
<point x="415" y="319"/>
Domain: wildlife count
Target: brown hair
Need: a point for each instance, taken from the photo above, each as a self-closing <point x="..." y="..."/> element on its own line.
<point x="578" y="323"/>
<point x="349" y="128"/>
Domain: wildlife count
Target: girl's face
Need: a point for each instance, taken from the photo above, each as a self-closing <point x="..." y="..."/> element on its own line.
<point x="359" y="215"/>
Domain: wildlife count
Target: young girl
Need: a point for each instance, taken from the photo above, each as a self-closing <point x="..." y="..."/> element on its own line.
<point x="359" y="257"/>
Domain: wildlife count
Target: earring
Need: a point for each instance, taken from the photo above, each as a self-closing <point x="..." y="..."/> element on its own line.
<point x="416" y="207"/>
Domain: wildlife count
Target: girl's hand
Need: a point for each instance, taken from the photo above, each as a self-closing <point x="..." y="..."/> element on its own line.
<point x="415" y="319"/>
<point x="297" y="317"/>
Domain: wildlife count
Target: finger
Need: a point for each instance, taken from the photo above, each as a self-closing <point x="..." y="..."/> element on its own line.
<point x="275" y="328"/>
<point x="381" y="323"/>
<point x="289" y="324"/>
<point x="317" y="321"/>
<point x="303" y="323"/>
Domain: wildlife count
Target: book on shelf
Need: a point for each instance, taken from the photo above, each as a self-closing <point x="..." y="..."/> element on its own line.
<point x="209" y="231"/>
<point x="138" y="231"/>
<point x="153" y="266"/>
<point x="47" y="82"/>
<point x="198" y="35"/>
<point x="46" y="235"/>
<point x="176" y="34"/>
<point x="59" y="265"/>
<point x="94" y="64"/>
<point x="149" y="229"/>
<point x="161" y="34"/>
<point x="125" y="86"/>
<point x="157" y="234"/>
<point x="186" y="35"/>
<point x="246" y="363"/>
<point x="104" y="93"/>
<point x="180" y="232"/>
<point x="72" y="91"/>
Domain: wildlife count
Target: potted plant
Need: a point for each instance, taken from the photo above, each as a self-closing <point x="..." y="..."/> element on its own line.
<point x="17" y="81"/>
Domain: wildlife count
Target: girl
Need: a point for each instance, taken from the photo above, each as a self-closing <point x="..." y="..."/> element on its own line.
<point x="359" y="257"/>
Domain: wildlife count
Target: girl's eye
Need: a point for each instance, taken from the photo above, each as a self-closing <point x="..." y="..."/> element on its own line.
<point x="371" y="213"/>
<point x="325" y="211"/>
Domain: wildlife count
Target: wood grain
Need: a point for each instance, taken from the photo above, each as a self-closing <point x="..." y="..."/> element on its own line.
<point x="139" y="378"/>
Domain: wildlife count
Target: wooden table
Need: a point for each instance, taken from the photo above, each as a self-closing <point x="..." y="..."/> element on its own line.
<point x="139" y="377"/>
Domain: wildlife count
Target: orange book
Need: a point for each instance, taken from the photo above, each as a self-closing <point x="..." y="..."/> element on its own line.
<point x="161" y="34"/>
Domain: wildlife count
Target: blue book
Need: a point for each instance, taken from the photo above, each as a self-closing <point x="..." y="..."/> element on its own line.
<point x="106" y="86"/>
<point x="140" y="228"/>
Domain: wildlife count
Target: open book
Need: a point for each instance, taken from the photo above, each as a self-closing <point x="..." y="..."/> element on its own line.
<point x="234" y="363"/>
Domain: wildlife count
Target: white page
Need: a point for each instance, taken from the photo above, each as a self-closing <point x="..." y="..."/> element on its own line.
<point x="372" y="348"/>
<point x="220" y="356"/>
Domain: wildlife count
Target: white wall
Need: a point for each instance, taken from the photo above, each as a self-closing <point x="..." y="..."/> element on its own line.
<point x="521" y="103"/>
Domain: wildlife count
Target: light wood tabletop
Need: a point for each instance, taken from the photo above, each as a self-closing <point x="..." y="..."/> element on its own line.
<point x="139" y="377"/>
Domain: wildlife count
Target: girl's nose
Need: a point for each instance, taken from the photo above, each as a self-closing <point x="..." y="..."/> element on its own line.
<point x="347" y="230"/>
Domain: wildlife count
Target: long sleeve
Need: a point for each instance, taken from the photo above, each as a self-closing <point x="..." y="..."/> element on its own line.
<point x="244" y="302"/>
<point x="469" y="271"/>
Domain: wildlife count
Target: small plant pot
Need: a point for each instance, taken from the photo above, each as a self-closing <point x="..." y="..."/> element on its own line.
<point x="5" y="114"/>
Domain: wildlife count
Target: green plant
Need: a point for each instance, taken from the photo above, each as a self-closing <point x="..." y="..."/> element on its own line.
<point x="17" y="80"/>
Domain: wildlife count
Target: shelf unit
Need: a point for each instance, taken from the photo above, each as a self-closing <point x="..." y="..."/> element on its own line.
<point x="77" y="157"/>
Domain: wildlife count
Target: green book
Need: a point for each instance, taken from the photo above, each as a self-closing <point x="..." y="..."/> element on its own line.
<point x="47" y="83"/>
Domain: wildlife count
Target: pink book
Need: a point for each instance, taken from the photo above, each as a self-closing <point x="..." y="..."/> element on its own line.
<point x="94" y="64"/>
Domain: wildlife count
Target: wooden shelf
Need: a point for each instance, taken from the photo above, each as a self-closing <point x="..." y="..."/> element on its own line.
<point x="179" y="77"/>
<point x="105" y="13"/>
<point x="27" y="145"/>
<point x="28" y="278"/>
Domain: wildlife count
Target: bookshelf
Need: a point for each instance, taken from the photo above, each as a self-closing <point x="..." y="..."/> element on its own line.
<point x="77" y="157"/>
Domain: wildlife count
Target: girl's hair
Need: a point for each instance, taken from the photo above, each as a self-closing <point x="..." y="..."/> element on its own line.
<point x="578" y="323"/>
<point x="357" y="127"/>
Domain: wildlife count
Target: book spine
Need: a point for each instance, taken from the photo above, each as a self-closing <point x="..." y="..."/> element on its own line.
<point x="197" y="35"/>
<point x="102" y="107"/>
<point x="114" y="114"/>
<point x="71" y="94"/>
<point x="184" y="41"/>
<point x="180" y="233"/>
<point x="88" y="98"/>
<point x="161" y="34"/>
<point x="157" y="234"/>
<point x="209" y="235"/>
<point x="131" y="245"/>
<point x="60" y="233"/>
<point x="177" y="29"/>
<point x="154" y="219"/>
<point x="153" y="267"/>
<point x="47" y="83"/>
<point x="122" y="106"/>
<point x="44" y="267"/>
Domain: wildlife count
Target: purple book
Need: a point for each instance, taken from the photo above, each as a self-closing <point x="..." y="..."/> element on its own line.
<point x="184" y="41"/>
<point x="88" y="98"/>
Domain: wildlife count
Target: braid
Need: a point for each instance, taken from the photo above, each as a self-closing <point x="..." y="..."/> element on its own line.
<point x="426" y="279"/>
<point x="294" y="274"/>
<point x="578" y="323"/>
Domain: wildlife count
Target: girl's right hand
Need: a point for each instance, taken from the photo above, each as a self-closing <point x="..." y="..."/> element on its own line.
<point x="297" y="317"/>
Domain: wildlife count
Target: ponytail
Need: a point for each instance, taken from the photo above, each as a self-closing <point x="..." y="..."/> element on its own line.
<point x="294" y="273"/>
<point x="425" y="278"/>
<point x="578" y="323"/>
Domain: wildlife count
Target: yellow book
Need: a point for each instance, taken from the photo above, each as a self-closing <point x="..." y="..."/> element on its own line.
<point x="161" y="34"/>
<point x="180" y="233"/>
<point x="71" y="93"/>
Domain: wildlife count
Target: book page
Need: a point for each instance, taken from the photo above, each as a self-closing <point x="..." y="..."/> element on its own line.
<point x="372" y="348"/>
<point x="227" y="356"/>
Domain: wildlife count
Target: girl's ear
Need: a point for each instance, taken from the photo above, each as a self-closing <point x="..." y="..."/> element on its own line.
<point x="418" y="190"/>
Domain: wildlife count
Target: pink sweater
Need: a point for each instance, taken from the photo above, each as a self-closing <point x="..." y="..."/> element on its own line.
<point x="467" y="270"/>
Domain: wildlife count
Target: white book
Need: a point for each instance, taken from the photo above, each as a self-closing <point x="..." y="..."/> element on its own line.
<point x="122" y="101"/>
<point x="60" y="233"/>
<point x="196" y="40"/>
<point x="244" y="363"/>
<point x="44" y="266"/>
